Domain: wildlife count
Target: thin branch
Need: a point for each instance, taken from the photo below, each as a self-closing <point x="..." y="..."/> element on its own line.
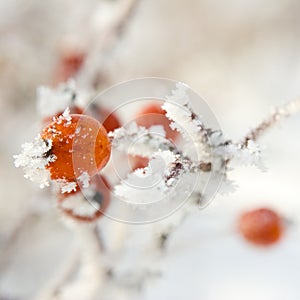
<point x="107" y="37"/>
<point x="278" y="115"/>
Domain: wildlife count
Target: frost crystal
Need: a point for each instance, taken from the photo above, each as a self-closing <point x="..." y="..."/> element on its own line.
<point x="80" y="206"/>
<point x="64" y="117"/>
<point x="66" y="114"/>
<point x="84" y="178"/>
<point x="33" y="159"/>
<point x="185" y="121"/>
<point x="149" y="184"/>
<point x="137" y="140"/>
<point x="67" y="187"/>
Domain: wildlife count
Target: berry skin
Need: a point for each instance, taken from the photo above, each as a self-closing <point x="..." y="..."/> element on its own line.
<point x="261" y="226"/>
<point x="76" y="206"/>
<point x="153" y="114"/>
<point x="109" y="120"/>
<point x="80" y="144"/>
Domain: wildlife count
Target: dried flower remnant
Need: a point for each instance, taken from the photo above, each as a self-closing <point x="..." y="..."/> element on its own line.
<point x="261" y="226"/>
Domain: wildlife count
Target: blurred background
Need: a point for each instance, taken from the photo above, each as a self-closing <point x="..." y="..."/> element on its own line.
<point x="241" y="56"/>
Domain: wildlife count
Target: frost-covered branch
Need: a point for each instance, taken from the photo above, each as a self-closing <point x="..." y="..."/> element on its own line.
<point x="278" y="115"/>
<point x="137" y="140"/>
<point x="184" y="120"/>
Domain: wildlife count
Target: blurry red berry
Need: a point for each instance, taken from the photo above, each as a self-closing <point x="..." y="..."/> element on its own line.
<point x="69" y="64"/>
<point x="89" y="207"/>
<point x="261" y="226"/>
<point x="137" y="162"/>
<point x="109" y="120"/>
<point x="78" y="141"/>
<point x="153" y="114"/>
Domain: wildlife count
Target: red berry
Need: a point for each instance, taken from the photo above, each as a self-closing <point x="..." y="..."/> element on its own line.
<point x="69" y="65"/>
<point x="109" y="120"/>
<point x="137" y="162"/>
<point x="89" y="207"/>
<point x="79" y="143"/>
<point x="153" y="114"/>
<point x="261" y="226"/>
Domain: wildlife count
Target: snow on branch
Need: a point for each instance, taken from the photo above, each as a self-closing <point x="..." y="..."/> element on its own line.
<point x="138" y="140"/>
<point x="279" y="114"/>
<point x="184" y="120"/>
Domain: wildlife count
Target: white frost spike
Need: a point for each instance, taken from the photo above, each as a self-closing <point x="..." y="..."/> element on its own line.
<point x="243" y="155"/>
<point x="66" y="114"/>
<point x="178" y="110"/>
<point x="67" y="187"/>
<point x="84" y="178"/>
<point x="33" y="160"/>
<point x="144" y="186"/>
<point x="179" y="95"/>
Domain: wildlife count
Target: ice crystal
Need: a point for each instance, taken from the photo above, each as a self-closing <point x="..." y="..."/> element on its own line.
<point x="67" y="187"/>
<point x="184" y="120"/>
<point x="84" y="178"/>
<point x="80" y="206"/>
<point x="145" y="185"/>
<point x="138" y="140"/>
<point x="34" y="158"/>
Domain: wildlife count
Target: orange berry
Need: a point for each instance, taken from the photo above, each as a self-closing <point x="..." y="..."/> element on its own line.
<point x="153" y="114"/>
<point x="76" y="206"/>
<point x="80" y="144"/>
<point x="109" y="120"/>
<point x="69" y="65"/>
<point x="261" y="226"/>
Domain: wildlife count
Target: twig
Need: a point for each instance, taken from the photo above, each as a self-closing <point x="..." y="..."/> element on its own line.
<point x="279" y="114"/>
<point x="107" y="37"/>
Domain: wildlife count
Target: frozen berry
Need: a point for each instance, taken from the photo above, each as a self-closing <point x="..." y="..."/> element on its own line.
<point x="261" y="226"/>
<point x="153" y="114"/>
<point x="89" y="204"/>
<point x="80" y="145"/>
